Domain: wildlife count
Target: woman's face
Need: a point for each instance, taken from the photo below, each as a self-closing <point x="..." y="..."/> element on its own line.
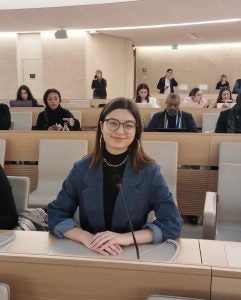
<point x="118" y="130"/>
<point x="24" y="95"/>
<point x="53" y="100"/>
<point x="143" y="93"/>
<point x="226" y="96"/>
<point x="98" y="74"/>
<point x="198" y="97"/>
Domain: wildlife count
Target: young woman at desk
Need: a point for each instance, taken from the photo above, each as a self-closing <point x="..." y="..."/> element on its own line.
<point x="117" y="166"/>
<point x="8" y="212"/>
<point x="24" y="94"/>
<point x="55" y="117"/>
<point x="224" y="99"/>
<point x="143" y="98"/>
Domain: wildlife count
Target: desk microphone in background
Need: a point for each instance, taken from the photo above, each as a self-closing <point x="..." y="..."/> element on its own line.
<point x="118" y="183"/>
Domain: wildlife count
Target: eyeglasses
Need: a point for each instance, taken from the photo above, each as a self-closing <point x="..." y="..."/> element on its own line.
<point x="114" y="125"/>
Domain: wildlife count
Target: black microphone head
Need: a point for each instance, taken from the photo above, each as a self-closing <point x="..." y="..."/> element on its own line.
<point x="117" y="181"/>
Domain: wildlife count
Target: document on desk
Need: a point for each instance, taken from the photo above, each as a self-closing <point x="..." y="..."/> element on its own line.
<point x="233" y="254"/>
<point x="163" y="252"/>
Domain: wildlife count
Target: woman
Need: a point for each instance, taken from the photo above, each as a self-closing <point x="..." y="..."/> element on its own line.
<point x="25" y="94"/>
<point x="54" y="117"/>
<point x="196" y="97"/>
<point x="92" y="187"/>
<point x="99" y="86"/>
<point x="222" y="83"/>
<point x="143" y="96"/>
<point x="5" y="117"/>
<point x="224" y="96"/>
<point x="8" y="212"/>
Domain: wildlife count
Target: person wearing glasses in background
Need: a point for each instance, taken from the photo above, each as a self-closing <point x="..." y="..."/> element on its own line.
<point x="91" y="186"/>
<point x="167" y="82"/>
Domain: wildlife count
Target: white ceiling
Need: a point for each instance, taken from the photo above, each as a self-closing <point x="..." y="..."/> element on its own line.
<point x="134" y="13"/>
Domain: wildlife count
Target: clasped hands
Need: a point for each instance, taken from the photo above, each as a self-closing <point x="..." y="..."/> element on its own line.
<point x="107" y="242"/>
<point x="56" y="127"/>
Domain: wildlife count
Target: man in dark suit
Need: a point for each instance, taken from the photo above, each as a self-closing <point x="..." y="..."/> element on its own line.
<point x="172" y="116"/>
<point x="229" y="120"/>
<point x="167" y="82"/>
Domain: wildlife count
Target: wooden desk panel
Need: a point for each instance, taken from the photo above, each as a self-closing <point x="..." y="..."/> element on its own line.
<point x="226" y="281"/>
<point x="43" y="277"/>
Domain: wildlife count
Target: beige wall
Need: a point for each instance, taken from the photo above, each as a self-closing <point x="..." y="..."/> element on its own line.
<point x="66" y="64"/>
<point x="192" y="65"/>
<point x="8" y="63"/>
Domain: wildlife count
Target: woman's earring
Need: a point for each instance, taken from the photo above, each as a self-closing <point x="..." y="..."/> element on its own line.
<point x="138" y="145"/>
<point x="100" y="140"/>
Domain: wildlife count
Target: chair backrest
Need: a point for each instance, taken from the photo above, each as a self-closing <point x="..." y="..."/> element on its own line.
<point x="229" y="191"/>
<point x="2" y="151"/>
<point x="230" y="152"/>
<point x="56" y="158"/>
<point x="21" y="120"/>
<point x="165" y="154"/>
<point x="209" y="121"/>
<point x="4" y="291"/>
<point x="81" y="103"/>
<point x="77" y="115"/>
<point x="20" y="188"/>
<point x="69" y="105"/>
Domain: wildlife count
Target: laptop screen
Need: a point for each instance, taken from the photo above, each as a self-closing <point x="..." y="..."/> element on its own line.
<point x="20" y="103"/>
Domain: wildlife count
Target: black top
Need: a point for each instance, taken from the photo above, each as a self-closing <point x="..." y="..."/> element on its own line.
<point x="161" y="84"/>
<point x="223" y="125"/>
<point x="5" y="117"/>
<point x="110" y="191"/>
<point x="8" y="212"/>
<point x="50" y="117"/>
<point x="99" y="87"/>
<point x="220" y="85"/>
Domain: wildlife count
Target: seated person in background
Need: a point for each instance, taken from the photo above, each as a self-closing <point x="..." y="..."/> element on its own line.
<point x="229" y="121"/>
<point x="224" y="96"/>
<point x="143" y="96"/>
<point x="54" y="115"/>
<point x="222" y="83"/>
<point x="99" y="86"/>
<point x="8" y="212"/>
<point x="5" y="117"/>
<point x="167" y="82"/>
<point x="94" y="182"/>
<point x="237" y="87"/>
<point x="172" y="116"/>
<point x="25" y="94"/>
<point x="196" y="97"/>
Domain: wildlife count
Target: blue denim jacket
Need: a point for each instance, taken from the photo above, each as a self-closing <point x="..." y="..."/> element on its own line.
<point x="144" y="190"/>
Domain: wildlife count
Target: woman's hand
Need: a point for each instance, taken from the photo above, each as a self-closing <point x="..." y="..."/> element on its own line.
<point x="109" y="240"/>
<point x="70" y="121"/>
<point x="53" y="127"/>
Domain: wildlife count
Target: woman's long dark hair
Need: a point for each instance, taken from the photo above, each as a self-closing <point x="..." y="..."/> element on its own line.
<point x="140" y="87"/>
<point x="139" y="158"/>
<point x="193" y="92"/>
<point x="225" y="88"/>
<point x="27" y="89"/>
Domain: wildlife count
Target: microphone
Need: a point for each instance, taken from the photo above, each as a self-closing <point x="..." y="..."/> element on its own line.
<point x="118" y="183"/>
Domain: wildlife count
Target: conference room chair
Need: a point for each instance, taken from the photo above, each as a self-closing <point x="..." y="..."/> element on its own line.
<point x="77" y="115"/>
<point x="56" y="158"/>
<point x="165" y="297"/>
<point x="2" y="151"/>
<point x="21" y="120"/>
<point x="81" y="103"/>
<point x="225" y="205"/>
<point x="4" y="291"/>
<point x="20" y="188"/>
<point x="209" y="121"/>
<point x="165" y="153"/>
<point x="69" y="105"/>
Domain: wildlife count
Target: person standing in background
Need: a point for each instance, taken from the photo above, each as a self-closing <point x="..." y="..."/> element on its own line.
<point x="5" y="117"/>
<point x="167" y="82"/>
<point x="99" y="86"/>
<point x="223" y="82"/>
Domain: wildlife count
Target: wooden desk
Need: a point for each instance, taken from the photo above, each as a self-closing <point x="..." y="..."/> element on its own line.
<point x="35" y="275"/>
<point x="226" y="281"/>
